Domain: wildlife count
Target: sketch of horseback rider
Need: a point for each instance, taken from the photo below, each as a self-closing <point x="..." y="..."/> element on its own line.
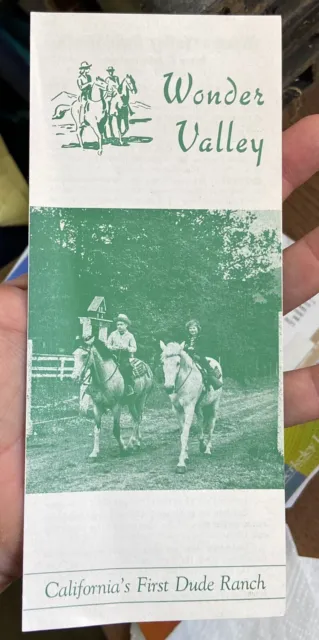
<point x="112" y="77"/>
<point x="84" y="83"/>
<point x="113" y="89"/>
<point x="123" y="345"/>
<point x="195" y="347"/>
<point x="110" y="86"/>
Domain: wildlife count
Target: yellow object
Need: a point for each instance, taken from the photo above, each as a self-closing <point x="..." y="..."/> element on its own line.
<point x="302" y="447"/>
<point x="14" y="191"/>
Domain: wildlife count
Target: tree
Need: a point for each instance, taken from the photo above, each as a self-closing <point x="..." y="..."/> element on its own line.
<point x="161" y="268"/>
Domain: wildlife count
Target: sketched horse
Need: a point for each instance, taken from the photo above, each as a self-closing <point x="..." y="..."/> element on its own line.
<point x="94" y="115"/>
<point x="183" y="382"/>
<point x="106" y="112"/>
<point x="102" y="389"/>
<point x="119" y="107"/>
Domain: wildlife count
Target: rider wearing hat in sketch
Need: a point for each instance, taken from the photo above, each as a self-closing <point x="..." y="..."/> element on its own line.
<point x="112" y="77"/>
<point x="195" y="348"/>
<point x="112" y="83"/>
<point x="122" y="343"/>
<point x="84" y="83"/>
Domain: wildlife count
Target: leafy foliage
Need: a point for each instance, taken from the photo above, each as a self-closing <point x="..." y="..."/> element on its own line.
<point x="161" y="268"/>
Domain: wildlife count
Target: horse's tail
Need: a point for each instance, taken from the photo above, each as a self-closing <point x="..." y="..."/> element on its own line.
<point x="60" y="111"/>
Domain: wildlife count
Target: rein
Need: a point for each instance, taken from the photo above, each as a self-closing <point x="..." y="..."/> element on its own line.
<point x="101" y="96"/>
<point x="180" y="387"/>
<point x="87" y="366"/>
<point x="173" y="355"/>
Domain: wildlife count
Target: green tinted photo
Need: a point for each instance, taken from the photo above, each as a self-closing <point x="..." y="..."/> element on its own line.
<point x="154" y="350"/>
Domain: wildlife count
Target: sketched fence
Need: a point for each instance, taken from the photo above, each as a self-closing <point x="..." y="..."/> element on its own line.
<point x="52" y="366"/>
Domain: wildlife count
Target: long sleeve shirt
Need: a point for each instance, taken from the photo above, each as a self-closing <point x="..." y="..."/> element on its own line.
<point x="85" y="85"/>
<point x="124" y="341"/>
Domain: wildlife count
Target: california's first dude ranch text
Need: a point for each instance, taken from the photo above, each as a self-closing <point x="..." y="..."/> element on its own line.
<point x="144" y="585"/>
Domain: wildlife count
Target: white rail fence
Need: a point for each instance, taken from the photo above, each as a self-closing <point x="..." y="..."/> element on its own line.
<point x="45" y="366"/>
<point x="52" y="366"/>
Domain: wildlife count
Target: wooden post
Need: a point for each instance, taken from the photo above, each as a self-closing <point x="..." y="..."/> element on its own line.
<point x="62" y="368"/>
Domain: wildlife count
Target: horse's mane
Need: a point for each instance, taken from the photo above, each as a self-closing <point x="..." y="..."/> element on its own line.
<point x="104" y="352"/>
<point x="174" y="349"/>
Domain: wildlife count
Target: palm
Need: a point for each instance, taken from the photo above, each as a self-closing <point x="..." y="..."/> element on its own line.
<point x="13" y="301"/>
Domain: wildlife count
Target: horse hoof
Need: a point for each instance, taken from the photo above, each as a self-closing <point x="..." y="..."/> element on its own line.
<point x="202" y="446"/>
<point x="99" y="153"/>
<point x="180" y="469"/>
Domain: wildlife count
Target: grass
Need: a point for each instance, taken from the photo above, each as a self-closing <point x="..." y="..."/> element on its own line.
<point x="244" y="452"/>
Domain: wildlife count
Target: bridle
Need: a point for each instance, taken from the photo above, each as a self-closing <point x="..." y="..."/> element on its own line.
<point x="174" y="355"/>
<point x="130" y="83"/>
<point x="87" y="366"/>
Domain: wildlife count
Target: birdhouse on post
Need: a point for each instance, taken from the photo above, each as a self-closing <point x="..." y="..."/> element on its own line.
<point x="95" y="323"/>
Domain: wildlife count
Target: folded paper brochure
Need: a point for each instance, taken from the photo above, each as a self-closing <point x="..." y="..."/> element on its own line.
<point x="154" y="485"/>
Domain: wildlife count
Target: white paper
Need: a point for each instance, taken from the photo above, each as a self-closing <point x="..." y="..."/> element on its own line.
<point x="137" y="545"/>
<point x="300" y="622"/>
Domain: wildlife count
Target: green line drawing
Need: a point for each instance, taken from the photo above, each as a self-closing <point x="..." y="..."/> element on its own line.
<point x="220" y="566"/>
<point x="102" y="604"/>
<point x="102" y="112"/>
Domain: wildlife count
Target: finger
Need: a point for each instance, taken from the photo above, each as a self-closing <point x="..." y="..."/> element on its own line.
<point x="300" y="153"/>
<point x="20" y="281"/>
<point x="301" y="396"/>
<point x="117" y="631"/>
<point x="13" y="310"/>
<point x="301" y="260"/>
<point x="301" y="271"/>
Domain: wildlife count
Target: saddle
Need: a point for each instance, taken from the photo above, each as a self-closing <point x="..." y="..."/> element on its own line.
<point x="211" y="377"/>
<point x="139" y="368"/>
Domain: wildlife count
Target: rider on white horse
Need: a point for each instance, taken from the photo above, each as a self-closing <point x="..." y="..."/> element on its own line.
<point x="122" y="343"/>
<point x="195" y="347"/>
<point x="84" y="83"/>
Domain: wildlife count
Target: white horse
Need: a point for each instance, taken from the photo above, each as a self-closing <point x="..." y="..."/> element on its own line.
<point x="102" y="388"/>
<point x="183" y="382"/>
<point x="93" y="115"/>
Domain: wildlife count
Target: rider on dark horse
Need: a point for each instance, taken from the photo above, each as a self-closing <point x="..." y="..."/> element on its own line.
<point x="123" y="345"/>
<point x="195" y="348"/>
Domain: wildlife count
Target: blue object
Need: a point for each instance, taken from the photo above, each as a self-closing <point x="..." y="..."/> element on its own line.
<point x="20" y="268"/>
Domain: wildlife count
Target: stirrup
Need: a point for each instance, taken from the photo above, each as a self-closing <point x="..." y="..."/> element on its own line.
<point x="129" y="391"/>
